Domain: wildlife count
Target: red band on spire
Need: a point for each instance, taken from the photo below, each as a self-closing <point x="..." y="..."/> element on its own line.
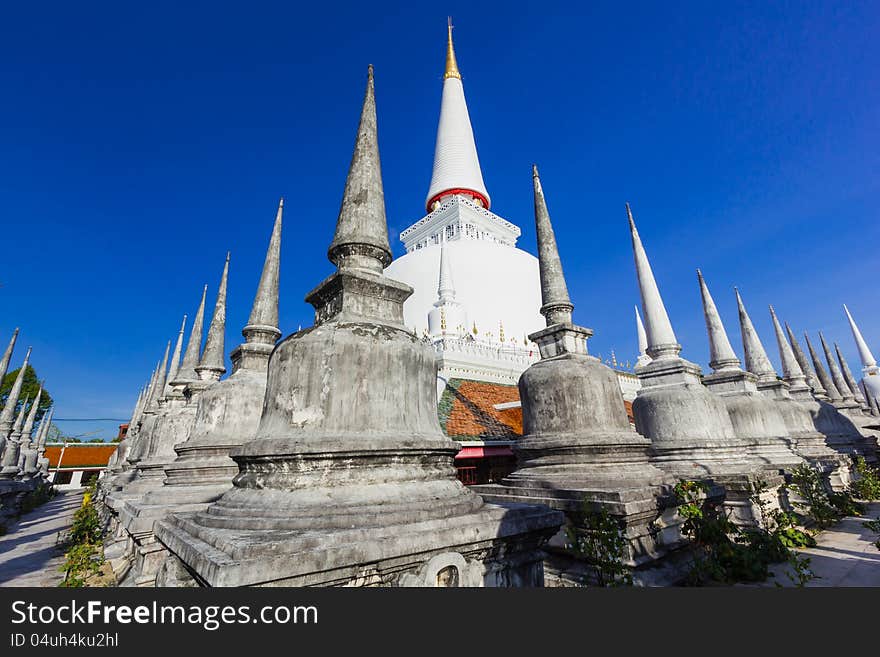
<point x="453" y="192"/>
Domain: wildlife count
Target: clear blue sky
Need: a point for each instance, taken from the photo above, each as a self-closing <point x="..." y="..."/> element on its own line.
<point x="140" y="142"/>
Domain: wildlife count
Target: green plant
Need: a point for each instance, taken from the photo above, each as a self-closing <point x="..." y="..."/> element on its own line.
<point x="37" y="497"/>
<point x="725" y="553"/>
<point x="801" y="572"/>
<point x="823" y="507"/>
<point x="874" y="526"/>
<point x="601" y="543"/>
<point x="85" y="554"/>
<point x="867" y="486"/>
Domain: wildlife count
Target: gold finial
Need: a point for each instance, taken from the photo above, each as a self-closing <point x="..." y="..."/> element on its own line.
<point x="451" y="65"/>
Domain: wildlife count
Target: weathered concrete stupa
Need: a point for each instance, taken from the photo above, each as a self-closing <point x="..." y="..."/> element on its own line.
<point x="578" y="444"/>
<point x="690" y="427"/>
<point x="227" y="415"/>
<point x="754" y="418"/>
<point x="840" y="433"/>
<point x="349" y="480"/>
<point x="798" y="407"/>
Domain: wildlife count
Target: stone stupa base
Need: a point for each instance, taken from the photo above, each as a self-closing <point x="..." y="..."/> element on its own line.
<point x="493" y="546"/>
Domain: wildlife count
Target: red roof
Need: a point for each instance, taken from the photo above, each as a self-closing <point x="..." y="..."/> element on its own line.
<point x="78" y="455"/>
<point x="482" y="452"/>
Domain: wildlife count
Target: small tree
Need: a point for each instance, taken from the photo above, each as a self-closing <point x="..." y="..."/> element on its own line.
<point x="29" y="387"/>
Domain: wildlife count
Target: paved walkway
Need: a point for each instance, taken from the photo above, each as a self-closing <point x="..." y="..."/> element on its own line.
<point x="28" y="556"/>
<point x="845" y="555"/>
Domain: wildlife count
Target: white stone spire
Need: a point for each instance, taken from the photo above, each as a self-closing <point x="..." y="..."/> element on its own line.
<point x="175" y="357"/>
<point x="31" y="417"/>
<point x="7" y="355"/>
<point x="456" y="165"/>
<point x="865" y="354"/>
<point x="836" y="375"/>
<point x="448" y="316"/>
<point x="192" y="355"/>
<point x="802" y="360"/>
<point x="822" y="374"/>
<point x="661" y="337"/>
<point x="644" y="358"/>
<point x="445" y="286"/>
<point x="211" y="367"/>
<point x="6" y="416"/>
<point x="848" y="377"/>
<point x="721" y="354"/>
<point x="791" y="369"/>
<point x="757" y="361"/>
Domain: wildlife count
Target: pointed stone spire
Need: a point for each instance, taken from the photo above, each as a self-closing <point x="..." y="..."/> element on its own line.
<point x="361" y="239"/>
<point x="7" y="355"/>
<point x="643" y="358"/>
<point x="445" y="286"/>
<point x="19" y="419"/>
<point x="822" y="374"/>
<point x="556" y="304"/>
<point x="865" y="354"/>
<point x="192" y="355"/>
<point x="161" y="378"/>
<point x="806" y="367"/>
<point x="175" y="357"/>
<point x="848" y="377"/>
<point x="791" y="369"/>
<point x="661" y="338"/>
<point x="721" y="354"/>
<point x="456" y="165"/>
<point x="137" y="407"/>
<point x="31" y="418"/>
<point x="6" y="416"/>
<point x="836" y="375"/>
<point x="47" y="425"/>
<point x="757" y="361"/>
<point x="152" y="397"/>
<point x="262" y="325"/>
<point x="211" y="366"/>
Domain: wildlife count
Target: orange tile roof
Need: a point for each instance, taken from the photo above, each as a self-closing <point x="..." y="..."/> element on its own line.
<point x="80" y="455"/>
<point x="467" y="410"/>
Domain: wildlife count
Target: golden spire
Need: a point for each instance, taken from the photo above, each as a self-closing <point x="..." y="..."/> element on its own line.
<point x="451" y="65"/>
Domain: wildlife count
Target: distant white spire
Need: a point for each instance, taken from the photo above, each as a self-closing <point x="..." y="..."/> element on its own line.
<point x="661" y="337"/>
<point x="456" y="165"/>
<point x="865" y="354"/>
<point x="445" y="287"/>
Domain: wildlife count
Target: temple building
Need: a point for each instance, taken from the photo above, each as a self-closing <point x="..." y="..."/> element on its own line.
<point x="477" y="296"/>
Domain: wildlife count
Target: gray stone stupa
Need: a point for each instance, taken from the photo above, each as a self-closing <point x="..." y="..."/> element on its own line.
<point x="349" y="480"/>
<point x="27" y="431"/>
<point x="7" y="415"/>
<point x="755" y="418"/>
<point x="840" y="432"/>
<point x="850" y="380"/>
<point x="578" y="444"/>
<point x="177" y="407"/>
<point x="227" y="415"/>
<point x="9" y="463"/>
<point x="799" y="408"/>
<point x="690" y="428"/>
